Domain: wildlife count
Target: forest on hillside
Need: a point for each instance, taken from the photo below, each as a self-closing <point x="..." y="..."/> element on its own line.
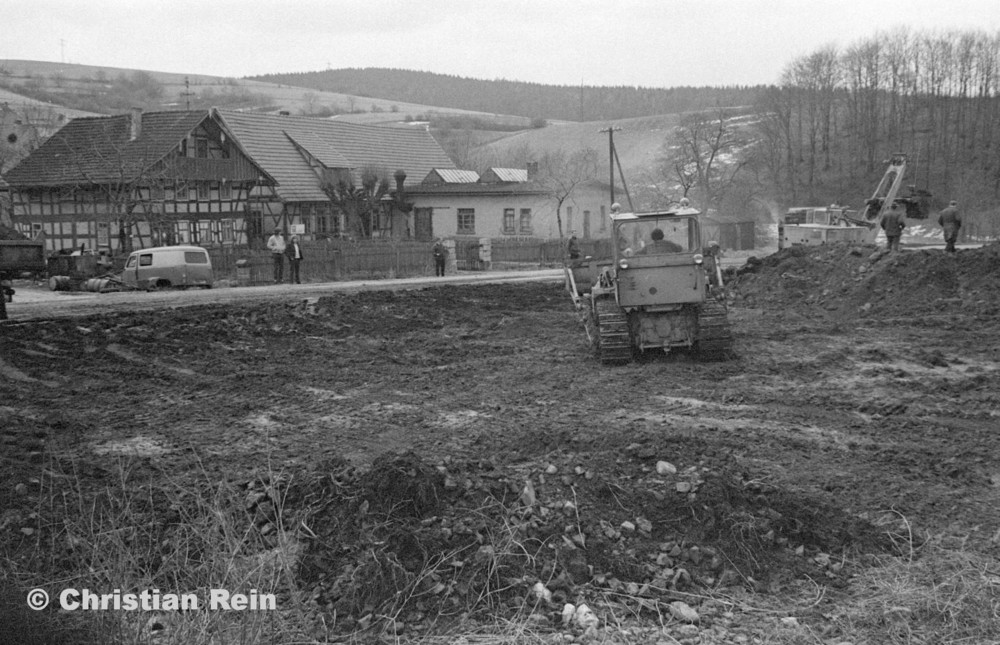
<point x="827" y="128"/>
<point x="823" y="135"/>
<point x="531" y="100"/>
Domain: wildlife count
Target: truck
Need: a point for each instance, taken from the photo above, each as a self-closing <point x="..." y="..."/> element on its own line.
<point x="17" y="258"/>
<point x="811" y="226"/>
<point x="661" y="291"/>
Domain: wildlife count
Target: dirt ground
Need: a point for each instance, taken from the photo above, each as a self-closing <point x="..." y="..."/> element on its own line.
<point x="455" y="458"/>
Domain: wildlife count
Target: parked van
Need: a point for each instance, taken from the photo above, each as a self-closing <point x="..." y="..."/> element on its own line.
<point x="164" y="267"/>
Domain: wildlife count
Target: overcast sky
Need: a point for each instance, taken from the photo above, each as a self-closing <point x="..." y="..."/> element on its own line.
<point x="652" y="43"/>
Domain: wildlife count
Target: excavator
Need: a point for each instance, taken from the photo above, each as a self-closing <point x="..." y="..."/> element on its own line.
<point x="825" y="225"/>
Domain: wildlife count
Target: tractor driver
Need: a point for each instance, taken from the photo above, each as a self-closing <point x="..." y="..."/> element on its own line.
<point x="659" y="245"/>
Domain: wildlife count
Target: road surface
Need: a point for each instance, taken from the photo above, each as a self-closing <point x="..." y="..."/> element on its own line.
<point x="37" y="302"/>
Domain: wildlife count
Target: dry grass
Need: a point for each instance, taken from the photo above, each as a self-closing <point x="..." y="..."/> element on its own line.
<point x="942" y="593"/>
<point x="144" y="533"/>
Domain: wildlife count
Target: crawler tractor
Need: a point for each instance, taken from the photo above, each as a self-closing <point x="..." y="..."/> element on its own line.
<point x="660" y="291"/>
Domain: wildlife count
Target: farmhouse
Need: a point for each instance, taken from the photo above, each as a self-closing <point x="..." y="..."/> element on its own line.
<point x="506" y="203"/>
<point x="216" y="179"/>
<point x="136" y="179"/>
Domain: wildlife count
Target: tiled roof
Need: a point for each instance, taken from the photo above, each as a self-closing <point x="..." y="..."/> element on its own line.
<point x="320" y="148"/>
<point x="505" y="174"/>
<point x="271" y="140"/>
<point x="98" y="149"/>
<point x="451" y="176"/>
<point x="479" y="188"/>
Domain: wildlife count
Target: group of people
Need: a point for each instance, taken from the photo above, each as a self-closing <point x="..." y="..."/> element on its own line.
<point x="949" y="219"/>
<point x="279" y="251"/>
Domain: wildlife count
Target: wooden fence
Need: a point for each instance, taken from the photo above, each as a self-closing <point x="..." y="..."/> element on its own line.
<point x="326" y="261"/>
<point x="338" y="260"/>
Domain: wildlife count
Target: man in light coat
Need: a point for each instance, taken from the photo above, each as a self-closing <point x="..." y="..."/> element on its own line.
<point x="276" y="245"/>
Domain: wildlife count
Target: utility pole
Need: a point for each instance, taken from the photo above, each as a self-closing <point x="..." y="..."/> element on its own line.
<point x="187" y="94"/>
<point x="612" y="160"/>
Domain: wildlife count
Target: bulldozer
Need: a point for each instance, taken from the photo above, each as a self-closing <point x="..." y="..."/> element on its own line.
<point x="662" y="290"/>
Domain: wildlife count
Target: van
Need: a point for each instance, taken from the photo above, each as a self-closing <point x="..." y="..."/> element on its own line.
<point x="165" y="267"/>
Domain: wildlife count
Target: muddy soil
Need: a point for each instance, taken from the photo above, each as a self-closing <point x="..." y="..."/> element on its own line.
<point x="863" y="405"/>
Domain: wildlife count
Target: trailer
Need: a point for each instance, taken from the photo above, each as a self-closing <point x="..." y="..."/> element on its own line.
<point x="18" y="258"/>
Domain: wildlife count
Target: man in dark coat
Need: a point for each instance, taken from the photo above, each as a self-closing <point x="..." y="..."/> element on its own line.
<point x="573" y="247"/>
<point x="893" y="225"/>
<point x="295" y="257"/>
<point x="950" y="221"/>
<point x="440" y="257"/>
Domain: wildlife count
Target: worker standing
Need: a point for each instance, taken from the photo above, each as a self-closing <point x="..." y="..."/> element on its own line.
<point x="573" y="247"/>
<point x="950" y="221"/>
<point x="295" y="257"/>
<point x="276" y="244"/>
<point x="893" y="225"/>
<point x="440" y="257"/>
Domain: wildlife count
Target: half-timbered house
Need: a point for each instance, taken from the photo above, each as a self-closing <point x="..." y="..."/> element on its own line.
<point x="114" y="183"/>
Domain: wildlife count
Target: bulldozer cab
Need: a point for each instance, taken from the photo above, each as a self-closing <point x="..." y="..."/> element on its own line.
<point x="658" y="259"/>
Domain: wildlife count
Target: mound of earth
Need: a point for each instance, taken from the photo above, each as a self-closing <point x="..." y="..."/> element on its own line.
<point x="849" y="281"/>
<point x="434" y="540"/>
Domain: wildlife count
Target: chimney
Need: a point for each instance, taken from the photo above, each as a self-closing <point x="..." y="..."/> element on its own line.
<point x="135" y="124"/>
<point x="400" y="177"/>
<point x="532" y="170"/>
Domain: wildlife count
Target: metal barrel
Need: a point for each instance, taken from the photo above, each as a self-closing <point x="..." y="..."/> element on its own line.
<point x="59" y="283"/>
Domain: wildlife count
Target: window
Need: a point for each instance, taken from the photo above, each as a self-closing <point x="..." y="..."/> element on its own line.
<point x="184" y="233"/>
<point x="525" y="224"/>
<point x="204" y="231"/>
<point x="204" y="191"/>
<point x="466" y="221"/>
<point x="131" y="262"/>
<point x="226" y="190"/>
<point x="228" y="231"/>
<point x="146" y="259"/>
<point x="508" y="221"/>
<point x="195" y="257"/>
<point x="201" y="148"/>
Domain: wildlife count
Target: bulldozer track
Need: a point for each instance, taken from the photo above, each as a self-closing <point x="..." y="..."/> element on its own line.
<point x="715" y="340"/>
<point x="614" y="343"/>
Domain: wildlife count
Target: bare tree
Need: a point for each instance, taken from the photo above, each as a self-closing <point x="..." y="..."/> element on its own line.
<point x="123" y="175"/>
<point x="560" y="174"/>
<point x="710" y="149"/>
<point x="362" y="204"/>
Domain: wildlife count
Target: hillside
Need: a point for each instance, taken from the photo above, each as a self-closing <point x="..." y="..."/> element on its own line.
<point x="531" y="100"/>
<point x="107" y="90"/>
